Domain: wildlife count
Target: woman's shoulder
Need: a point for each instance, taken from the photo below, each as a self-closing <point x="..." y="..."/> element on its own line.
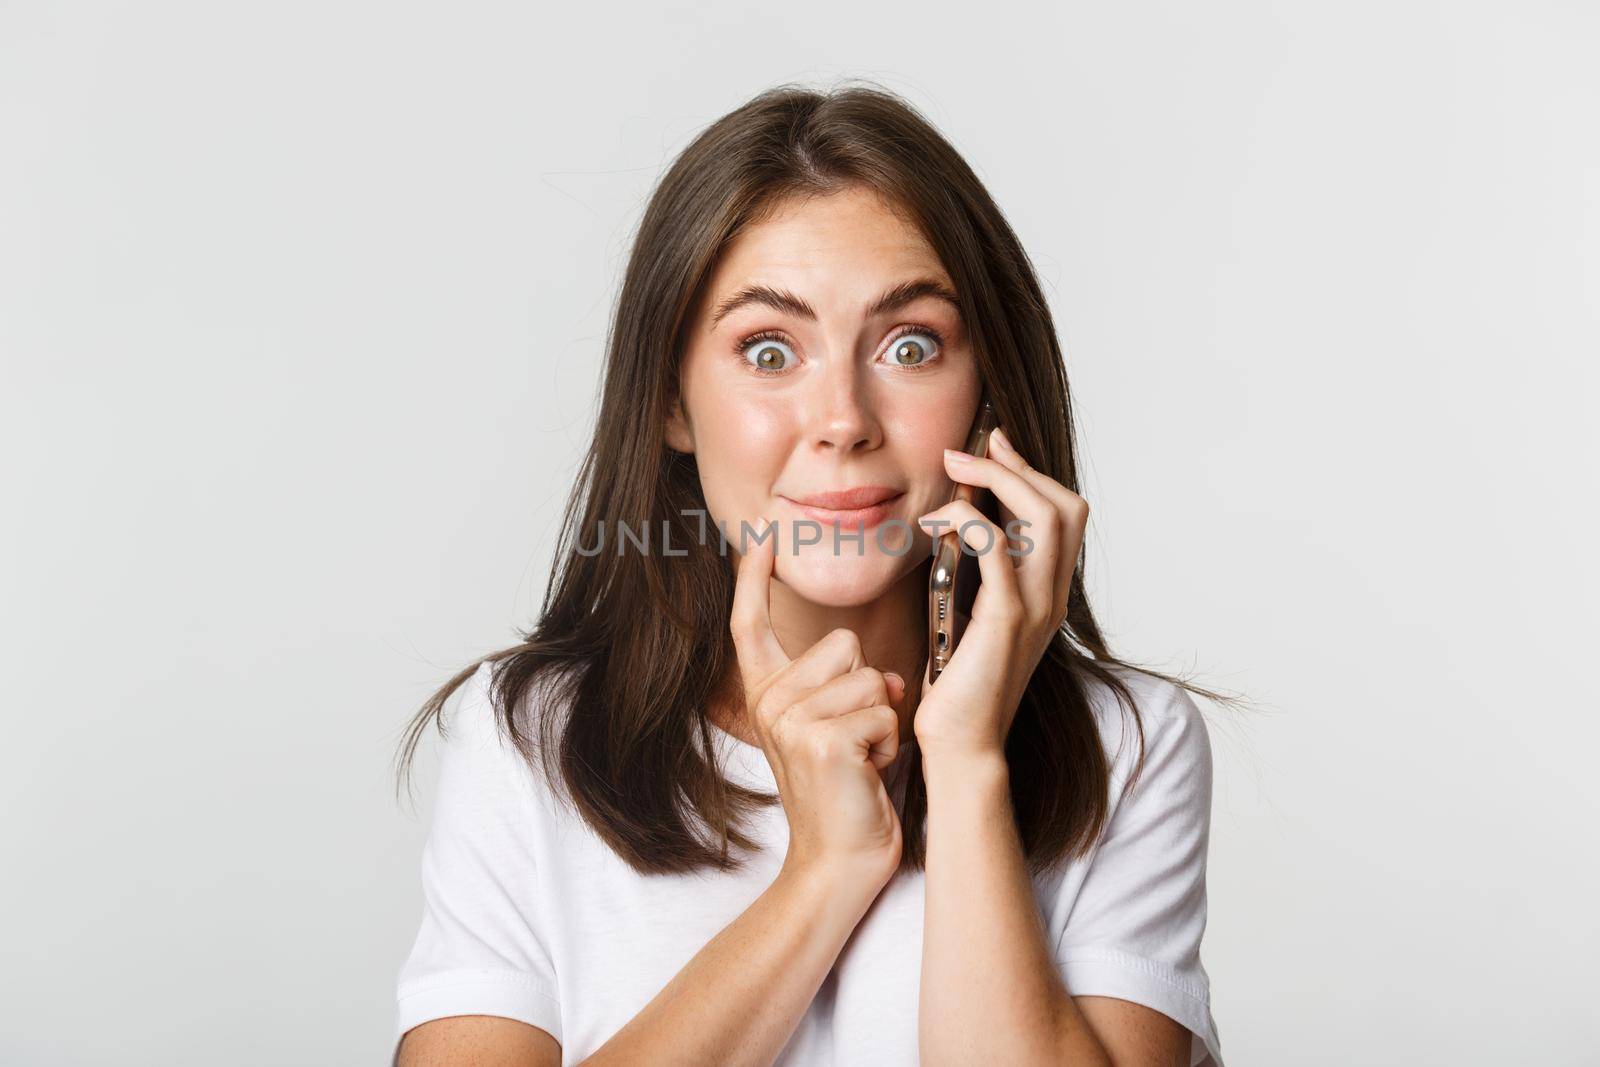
<point x="1156" y="696"/>
<point x="488" y="750"/>
<point x="542" y="697"/>
<point x="1168" y="719"/>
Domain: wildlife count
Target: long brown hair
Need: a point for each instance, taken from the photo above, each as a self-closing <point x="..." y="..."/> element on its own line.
<point x="636" y="645"/>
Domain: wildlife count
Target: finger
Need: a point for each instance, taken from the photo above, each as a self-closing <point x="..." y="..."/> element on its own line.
<point x="1017" y="494"/>
<point x="1006" y="594"/>
<point x="1040" y="522"/>
<point x="870" y="734"/>
<point x="1009" y="469"/>
<point x="1074" y="511"/>
<point x="756" y="646"/>
<point x="860" y="688"/>
<point x="897" y="687"/>
<point x="838" y="653"/>
<point x="1005" y="452"/>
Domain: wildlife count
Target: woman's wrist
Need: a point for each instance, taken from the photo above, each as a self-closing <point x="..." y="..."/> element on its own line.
<point x="948" y="773"/>
<point x="837" y="892"/>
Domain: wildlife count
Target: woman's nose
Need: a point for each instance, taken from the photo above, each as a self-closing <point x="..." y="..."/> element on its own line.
<point x="842" y="413"/>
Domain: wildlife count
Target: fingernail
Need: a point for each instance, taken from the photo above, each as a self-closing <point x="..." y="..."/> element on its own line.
<point x="896" y="677"/>
<point x="999" y="437"/>
<point x="956" y="454"/>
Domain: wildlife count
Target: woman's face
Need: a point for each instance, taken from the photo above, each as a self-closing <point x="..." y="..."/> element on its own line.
<point x="800" y="380"/>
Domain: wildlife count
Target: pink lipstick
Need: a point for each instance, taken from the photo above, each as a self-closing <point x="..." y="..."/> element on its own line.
<point x="863" y="506"/>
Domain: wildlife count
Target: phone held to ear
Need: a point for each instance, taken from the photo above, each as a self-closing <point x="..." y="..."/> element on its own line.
<point x="953" y="579"/>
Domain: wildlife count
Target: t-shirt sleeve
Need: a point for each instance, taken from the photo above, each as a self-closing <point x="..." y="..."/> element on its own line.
<point x="479" y="950"/>
<point x="1134" y="930"/>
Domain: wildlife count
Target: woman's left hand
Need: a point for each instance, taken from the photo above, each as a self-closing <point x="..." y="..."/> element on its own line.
<point x="1021" y="603"/>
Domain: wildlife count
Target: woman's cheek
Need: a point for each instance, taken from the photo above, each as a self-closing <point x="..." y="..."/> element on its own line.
<point x="739" y="473"/>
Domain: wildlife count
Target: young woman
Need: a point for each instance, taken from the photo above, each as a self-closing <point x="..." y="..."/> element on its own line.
<point x="711" y="810"/>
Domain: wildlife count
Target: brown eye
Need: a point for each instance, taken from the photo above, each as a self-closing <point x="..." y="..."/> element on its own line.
<point x="767" y="354"/>
<point x="912" y="349"/>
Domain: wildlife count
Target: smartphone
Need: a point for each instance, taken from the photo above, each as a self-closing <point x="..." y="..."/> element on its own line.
<point x="953" y="580"/>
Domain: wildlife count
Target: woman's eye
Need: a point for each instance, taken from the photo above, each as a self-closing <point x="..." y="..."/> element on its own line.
<point x="913" y="349"/>
<point x="768" y="354"/>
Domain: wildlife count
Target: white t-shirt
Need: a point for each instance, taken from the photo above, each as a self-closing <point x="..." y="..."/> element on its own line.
<point x="528" y="915"/>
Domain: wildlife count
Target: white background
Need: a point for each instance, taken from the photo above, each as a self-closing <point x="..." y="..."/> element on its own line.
<point x="302" y="307"/>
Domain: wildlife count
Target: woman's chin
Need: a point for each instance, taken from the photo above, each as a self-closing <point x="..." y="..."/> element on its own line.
<point x="843" y="581"/>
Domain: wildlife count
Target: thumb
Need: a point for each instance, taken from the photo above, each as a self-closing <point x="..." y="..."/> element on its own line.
<point x="756" y="646"/>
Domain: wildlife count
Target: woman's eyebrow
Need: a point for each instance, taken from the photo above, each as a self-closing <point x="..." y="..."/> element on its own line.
<point x="783" y="300"/>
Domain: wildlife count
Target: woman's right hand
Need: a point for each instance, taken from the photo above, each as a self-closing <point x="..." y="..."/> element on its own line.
<point x="827" y="725"/>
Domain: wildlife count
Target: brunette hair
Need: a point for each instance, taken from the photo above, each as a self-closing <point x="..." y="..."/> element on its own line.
<point x="636" y="644"/>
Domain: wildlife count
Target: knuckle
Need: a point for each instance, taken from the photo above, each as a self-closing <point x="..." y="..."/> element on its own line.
<point x="766" y="706"/>
<point x="863" y="685"/>
<point x="984" y="532"/>
<point x="845" y="636"/>
<point x="779" y="730"/>
<point x="793" y="710"/>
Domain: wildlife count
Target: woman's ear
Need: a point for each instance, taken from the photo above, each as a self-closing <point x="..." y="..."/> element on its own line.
<point x="678" y="436"/>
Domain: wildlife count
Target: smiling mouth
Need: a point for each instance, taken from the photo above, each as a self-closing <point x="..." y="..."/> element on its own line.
<point x="869" y="515"/>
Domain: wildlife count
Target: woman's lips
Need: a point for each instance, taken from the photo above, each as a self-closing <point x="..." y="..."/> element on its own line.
<point x="852" y="517"/>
